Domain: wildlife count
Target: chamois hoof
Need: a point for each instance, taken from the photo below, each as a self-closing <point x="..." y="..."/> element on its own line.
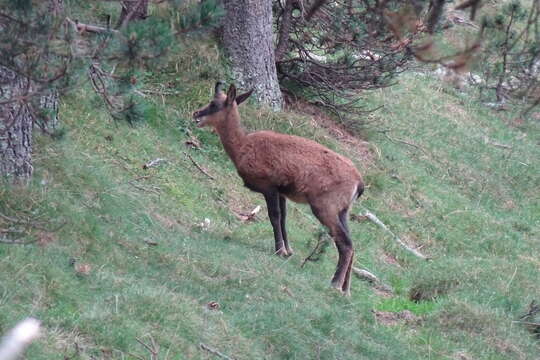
<point x="336" y="286"/>
<point x="282" y="252"/>
<point x="339" y="287"/>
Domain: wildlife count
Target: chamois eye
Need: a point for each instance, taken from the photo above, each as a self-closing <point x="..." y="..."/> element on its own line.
<point x="213" y="106"/>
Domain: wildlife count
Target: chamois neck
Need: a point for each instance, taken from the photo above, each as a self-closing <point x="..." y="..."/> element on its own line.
<point x="231" y="133"/>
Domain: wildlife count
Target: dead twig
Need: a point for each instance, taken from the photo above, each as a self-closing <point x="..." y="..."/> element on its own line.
<point x="19" y="227"/>
<point x="496" y="144"/>
<point x="135" y="356"/>
<point x="152" y="189"/>
<point x="215" y="352"/>
<point x="199" y="167"/>
<point x="153" y="163"/>
<point x="152" y="348"/>
<point x="405" y="142"/>
<point x="4" y="240"/>
<point x="317" y="250"/>
<point x="155" y="190"/>
<point x="161" y="92"/>
<point x="374" y="219"/>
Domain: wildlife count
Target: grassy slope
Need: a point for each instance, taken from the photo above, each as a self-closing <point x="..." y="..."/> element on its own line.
<point x="472" y="205"/>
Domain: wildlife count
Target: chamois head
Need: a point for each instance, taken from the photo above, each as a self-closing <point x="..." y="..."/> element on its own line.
<point x="216" y="111"/>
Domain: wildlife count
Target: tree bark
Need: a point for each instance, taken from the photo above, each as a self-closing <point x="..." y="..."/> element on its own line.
<point x="135" y="10"/>
<point x="49" y="113"/>
<point x="284" y="29"/>
<point x="16" y="123"/>
<point x="48" y="103"/>
<point x="247" y="37"/>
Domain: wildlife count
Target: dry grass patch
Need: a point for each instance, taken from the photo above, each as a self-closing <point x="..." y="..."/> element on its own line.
<point x="394" y="318"/>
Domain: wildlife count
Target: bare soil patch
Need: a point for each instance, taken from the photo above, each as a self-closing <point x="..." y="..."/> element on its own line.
<point x="390" y="259"/>
<point x="394" y="318"/>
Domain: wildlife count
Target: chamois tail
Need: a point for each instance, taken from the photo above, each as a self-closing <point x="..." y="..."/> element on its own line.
<point x="359" y="190"/>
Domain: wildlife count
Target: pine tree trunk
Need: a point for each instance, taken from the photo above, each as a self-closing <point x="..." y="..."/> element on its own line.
<point x="48" y="105"/>
<point x="247" y="37"/>
<point x="137" y="9"/>
<point x="15" y="129"/>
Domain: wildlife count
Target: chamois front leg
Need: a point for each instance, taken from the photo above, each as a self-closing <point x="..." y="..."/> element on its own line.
<point x="274" y="213"/>
<point x="283" y="213"/>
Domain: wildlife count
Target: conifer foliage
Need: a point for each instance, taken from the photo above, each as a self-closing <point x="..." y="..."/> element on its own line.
<point x="46" y="51"/>
<point x="510" y="63"/>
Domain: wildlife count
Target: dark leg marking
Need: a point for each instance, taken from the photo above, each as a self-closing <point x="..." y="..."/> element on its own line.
<point x="274" y="213"/>
<point x="283" y="210"/>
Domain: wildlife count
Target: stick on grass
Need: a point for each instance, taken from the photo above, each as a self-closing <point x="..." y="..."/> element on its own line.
<point x="374" y="219"/>
<point x="199" y="167"/>
<point x="215" y="352"/>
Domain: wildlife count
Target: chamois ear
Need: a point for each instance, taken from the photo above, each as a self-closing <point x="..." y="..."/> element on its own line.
<point x="231" y="95"/>
<point x="243" y="97"/>
<point x="217" y="88"/>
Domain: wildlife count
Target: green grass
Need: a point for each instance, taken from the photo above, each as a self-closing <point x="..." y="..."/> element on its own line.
<point x="473" y="206"/>
<point x="399" y="304"/>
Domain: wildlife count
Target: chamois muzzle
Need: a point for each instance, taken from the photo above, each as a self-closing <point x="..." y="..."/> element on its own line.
<point x="197" y="116"/>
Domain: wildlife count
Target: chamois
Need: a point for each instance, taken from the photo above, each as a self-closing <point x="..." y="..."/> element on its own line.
<point x="283" y="166"/>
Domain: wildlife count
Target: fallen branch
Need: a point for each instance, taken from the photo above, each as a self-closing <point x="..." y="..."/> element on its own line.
<point x="153" y="163"/>
<point x="199" y="167"/>
<point x="369" y="215"/>
<point x="150" y="242"/>
<point x="499" y="145"/>
<point x="215" y="352"/>
<point x="79" y="27"/>
<point x="4" y="240"/>
<point x="365" y="275"/>
<point x="526" y="322"/>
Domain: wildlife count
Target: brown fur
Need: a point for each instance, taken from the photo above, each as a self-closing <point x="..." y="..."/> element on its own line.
<point x="279" y="166"/>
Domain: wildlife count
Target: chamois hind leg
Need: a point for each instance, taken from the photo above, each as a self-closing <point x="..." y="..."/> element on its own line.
<point x="343" y="218"/>
<point x="283" y="213"/>
<point x="274" y="213"/>
<point x="330" y="218"/>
